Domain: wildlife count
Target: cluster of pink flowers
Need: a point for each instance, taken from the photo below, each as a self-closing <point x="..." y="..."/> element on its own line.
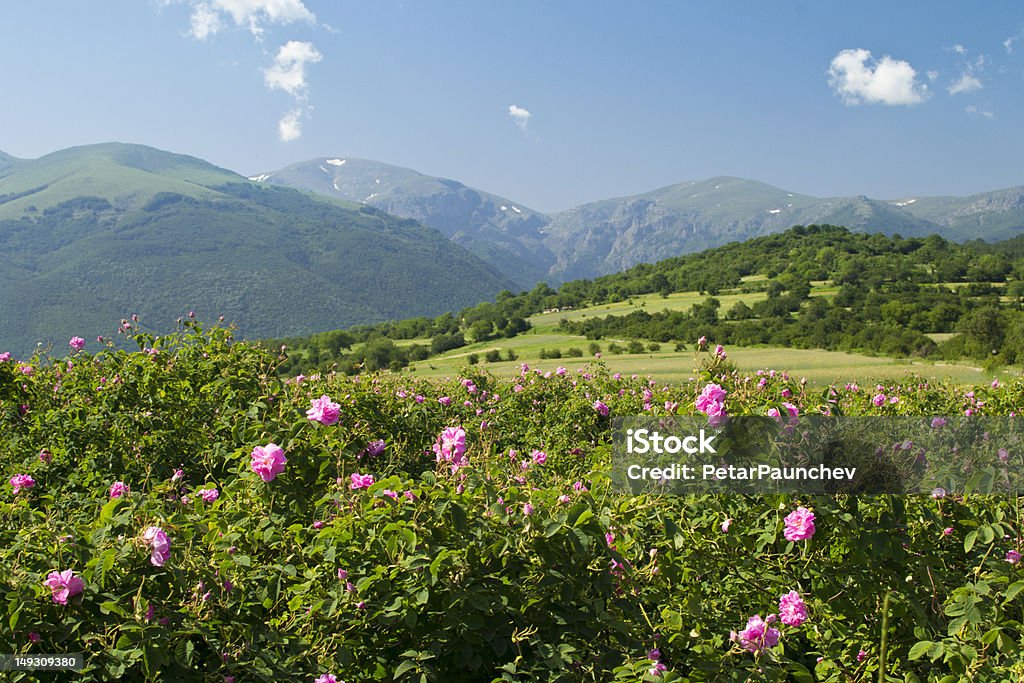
<point x="601" y="408"/>
<point x="792" y="611"/>
<point x="118" y="489"/>
<point x="450" y="447"/>
<point x="361" y="481"/>
<point x="159" y="545"/>
<point x="22" y="481"/>
<point x="64" y="585"/>
<point x="324" y="411"/>
<point x="711" y="402"/>
<point x="268" y="461"/>
<point x="799" y="525"/>
<point x="77" y="343"/>
<point x="791" y="409"/>
<point x="761" y="635"/>
<point x="657" y="668"/>
<point x="758" y="635"/>
<point x="209" y="495"/>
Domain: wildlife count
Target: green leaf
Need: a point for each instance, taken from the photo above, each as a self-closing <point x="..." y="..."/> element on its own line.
<point x="920" y="649"/>
<point x="969" y="541"/>
<point x="107" y="511"/>
<point x="1013" y="590"/>
<point x="404" y="667"/>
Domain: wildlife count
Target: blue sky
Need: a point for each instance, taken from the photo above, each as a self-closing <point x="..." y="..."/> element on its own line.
<point x="550" y="104"/>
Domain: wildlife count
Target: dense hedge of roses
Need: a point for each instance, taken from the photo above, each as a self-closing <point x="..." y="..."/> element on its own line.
<point x="179" y="514"/>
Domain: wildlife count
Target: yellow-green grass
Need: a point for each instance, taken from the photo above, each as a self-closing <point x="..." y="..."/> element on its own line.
<point x="818" y="367"/>
<point x="655" y="303"/>
<point x="652" y="303"/>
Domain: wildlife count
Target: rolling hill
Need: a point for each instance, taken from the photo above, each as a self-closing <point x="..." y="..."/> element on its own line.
<point x="92" y="234"/>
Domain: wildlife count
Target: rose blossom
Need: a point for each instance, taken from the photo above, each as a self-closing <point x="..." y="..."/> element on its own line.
<point x="160" y="546"/>
<point x="268" y="461"/>
<point x="22" y="481"/>
<point x="792" y="611"/>
<point x="64" y="585"/>
<point x="451" y="447"/>
<point x="758" y="635"/>
<point x="118" y="489"/>
<point x="799" y="525"/>
<point x="324" y="411"/>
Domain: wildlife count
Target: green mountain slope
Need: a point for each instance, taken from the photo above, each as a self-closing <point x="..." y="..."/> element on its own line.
<point x="93" y="234"/>
<point x="503" y="233"/>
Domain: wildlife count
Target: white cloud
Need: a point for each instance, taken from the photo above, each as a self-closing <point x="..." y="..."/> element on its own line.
<point x="932" y="74"/>
<point x="290" y="126"/>
<point x="857" y="78"/>
<point x="288" y="72"/>
<point x="205" y="22"/>
<point x="208" y="16"/>
<point x="520" y="116"/>
<point x="966" y="83"/>
<point x="959" y="49"/>
<point x="972" y="109"/>
<point x="1008" y="43"/>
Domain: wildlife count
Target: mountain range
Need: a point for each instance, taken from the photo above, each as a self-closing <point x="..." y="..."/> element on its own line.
<point x="611" y="235"/>
<point x="91" y="234"/>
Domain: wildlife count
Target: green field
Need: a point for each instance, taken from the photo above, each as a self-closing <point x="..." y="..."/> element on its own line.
<point x="656" y="303"/>
<point x="818" y="367"/>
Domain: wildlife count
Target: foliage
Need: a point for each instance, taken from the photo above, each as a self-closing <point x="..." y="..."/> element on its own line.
<point x="519" y="565"/>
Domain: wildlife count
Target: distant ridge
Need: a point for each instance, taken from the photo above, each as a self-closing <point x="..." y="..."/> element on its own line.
<point x="610" y="235"/>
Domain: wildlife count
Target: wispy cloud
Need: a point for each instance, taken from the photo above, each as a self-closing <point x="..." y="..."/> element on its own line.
<point x="290" y="126"/>
<point x="209" y="16"/>
<point x="288" y="70"/>
<point x="968" y="80"/>
<point x="288" y="73"/>
<point x="966" y="83"/>
<point x="858" y="78"/>
<point x="520" y="116"/>
<point x="1008" y="43"/>
<point x="972" y="109"/>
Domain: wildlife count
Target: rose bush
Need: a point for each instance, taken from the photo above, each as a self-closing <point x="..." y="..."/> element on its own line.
<point x="465" y="530"/>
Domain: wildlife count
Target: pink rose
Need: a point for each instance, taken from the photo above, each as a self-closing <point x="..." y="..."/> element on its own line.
<point x="64" y="585"/>
<point x="799" y="525"/>
<point x="22" y="481"/>
<point x="324" y="411"/>
<point x="268" y="461"/>
<point x="160" y="546"/>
